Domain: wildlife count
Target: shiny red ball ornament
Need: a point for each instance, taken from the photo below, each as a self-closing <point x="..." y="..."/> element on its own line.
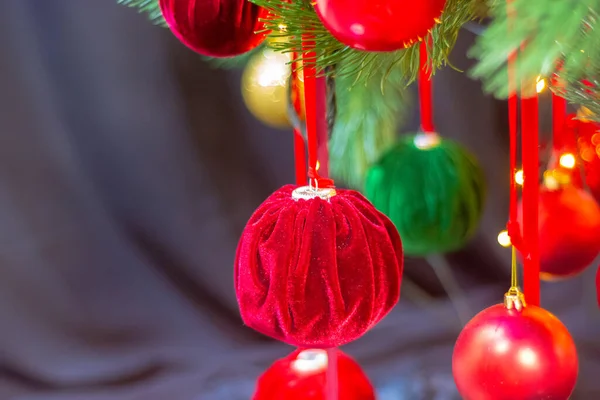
<point x="517" y="354"/>
<point x="215" y="28"/>
<point x="303" y="376"/>
<point x="379" y="25"/>
<point x="584" y="142"/>
<point x="569" y="231"/>
<point x="317" y="268"/>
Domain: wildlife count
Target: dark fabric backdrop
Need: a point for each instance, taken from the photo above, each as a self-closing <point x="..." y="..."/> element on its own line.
<point x="127" y="171"/>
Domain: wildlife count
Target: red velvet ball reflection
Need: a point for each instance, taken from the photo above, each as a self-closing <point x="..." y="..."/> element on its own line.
<point x="519" y="355"/>
<point x="379" y="25"/>
<point x="302" y="376"/>
<point x="569" y="230"/>
<point x="215" y="28"/>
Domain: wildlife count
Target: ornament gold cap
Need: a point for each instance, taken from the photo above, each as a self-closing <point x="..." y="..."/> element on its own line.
<point x="514" y="299"/>
<point x="426" y="141"/>
<point x="309" y="193"/>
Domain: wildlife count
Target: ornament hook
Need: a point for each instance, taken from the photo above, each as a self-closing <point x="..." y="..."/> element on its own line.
<point x="514" y="299"/>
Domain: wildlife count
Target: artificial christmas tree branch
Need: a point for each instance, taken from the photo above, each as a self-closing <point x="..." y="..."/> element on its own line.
<point x="585" y="93"/>
<point x="366" y="125"/>
<point x="149" y="7"/>
<point x="558" y="38"/>
<point x="237" y="62"/>
<point x="297" y="17"/>
<point x="294" y="18"/>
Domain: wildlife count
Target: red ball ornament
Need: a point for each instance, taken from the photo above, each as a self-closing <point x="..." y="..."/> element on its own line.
<point x="569" y="231"/>
<point x="215" y="28"/>
<point x="317" y="268"/>
<point x="520" y="354"/>
<point x="303" y="376"/>
<point x="379" y="25"/>
<point x="584" y="142"/>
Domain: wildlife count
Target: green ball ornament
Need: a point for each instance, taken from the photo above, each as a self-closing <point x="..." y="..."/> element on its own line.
<point x="432" y="189"/>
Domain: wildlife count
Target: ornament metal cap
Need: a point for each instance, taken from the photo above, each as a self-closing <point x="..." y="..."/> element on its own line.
<point x="426" y="141"/>
<point x="309" y="192"/>
<point x="514" y="299"/>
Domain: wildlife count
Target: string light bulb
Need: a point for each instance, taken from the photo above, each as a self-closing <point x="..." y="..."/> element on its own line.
<point x="519" y="177"/>
<point x="540" y="84"/>
<point x="504" y="239"/>
<point x="567" y="161"/>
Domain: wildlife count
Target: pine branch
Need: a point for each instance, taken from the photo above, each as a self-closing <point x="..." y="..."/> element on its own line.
<point x="366" y="124"/>
<point x="560" y="37"/>
<point x="295" y="18"/>
<point x="236" y="62"/>
<point x="585" y="93"/>
<point x="150" y="7"/>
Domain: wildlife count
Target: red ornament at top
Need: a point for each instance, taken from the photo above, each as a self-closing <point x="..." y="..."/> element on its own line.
<point x="303" y="376"/>
<point x="520" y="354"/>
<point x="317" y="268"/>
<point x="379" y="25"/>
<point x="215" y="28"/>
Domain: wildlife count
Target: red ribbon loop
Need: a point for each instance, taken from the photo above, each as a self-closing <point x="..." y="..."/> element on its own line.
<point x="322" y="183"/>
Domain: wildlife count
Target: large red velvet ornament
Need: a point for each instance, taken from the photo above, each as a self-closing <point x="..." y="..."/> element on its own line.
<point x="569" y="231"/>
<point x="317" y="272"/>
<point x="215" y="28"/>
<point x="302" y="376"/>
<point x="506" y="354"/>
<point x="379" y="25"/>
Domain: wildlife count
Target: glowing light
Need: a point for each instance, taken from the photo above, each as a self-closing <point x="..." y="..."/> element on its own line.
<point x="282" y="27"/>
<point x="310" y="361"/>
<point x="519" y="177"/>
<point x="504" y="239"/>
<point x="527" y="357"/>
<point x="425" y="141"/>
<point x="550" y="181"/>
<point x="318" y="166"/>
<point x="540" y="84"/>
<point x="274" y="71"/>
<point x="567" y="161"/>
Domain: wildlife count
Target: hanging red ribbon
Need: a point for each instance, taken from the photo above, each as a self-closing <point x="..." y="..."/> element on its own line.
<point x="425" y="90"/>
<point x="312" y="115"/>
<point x="299" y="144"/>
<point x="530" y="250"/>
<point x="513" y="228"/>
<point x="563" y="139"/>
<point x="316" y="128"/>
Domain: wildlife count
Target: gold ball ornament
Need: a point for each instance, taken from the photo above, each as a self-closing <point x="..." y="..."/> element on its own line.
<point x="265" y="87"/>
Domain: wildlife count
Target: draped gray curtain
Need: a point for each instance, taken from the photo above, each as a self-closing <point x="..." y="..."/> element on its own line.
<point x="128" y="169"/>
